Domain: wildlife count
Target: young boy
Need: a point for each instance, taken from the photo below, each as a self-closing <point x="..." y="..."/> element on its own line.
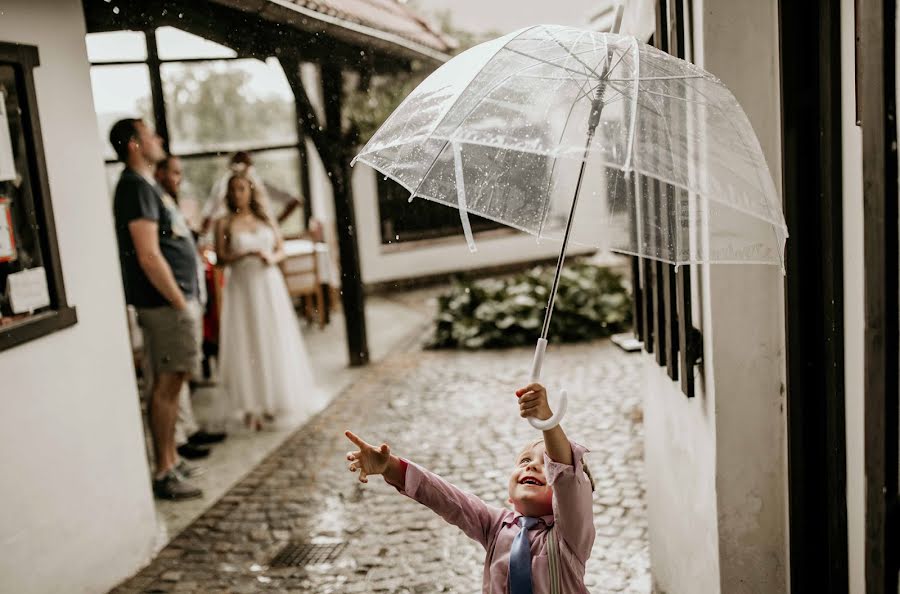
<point x="542" y="546"/>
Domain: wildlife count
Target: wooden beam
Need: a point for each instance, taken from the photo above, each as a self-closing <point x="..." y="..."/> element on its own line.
<point x="877" y="112"/>
<point x="156" y="89"/>
<point x="250" y="35"/>
<point x="352" y="293"/>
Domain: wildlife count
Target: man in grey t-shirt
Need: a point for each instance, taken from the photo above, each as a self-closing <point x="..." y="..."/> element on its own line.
<point x="159" y="271"/>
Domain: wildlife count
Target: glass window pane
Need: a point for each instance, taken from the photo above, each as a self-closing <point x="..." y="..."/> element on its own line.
<point x="227" y="105"/>
<point x="120" y="92"/>
<point x="280" y="170"/>
<point x="175" y="44"/>
<point x="402" y="220"/>
<point x="200" y="174"/>
<point x="116" y="46"/>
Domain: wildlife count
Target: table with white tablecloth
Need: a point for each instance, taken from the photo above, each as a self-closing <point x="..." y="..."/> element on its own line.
<point x="327" y="271"/>
<point x="328" y="275"/>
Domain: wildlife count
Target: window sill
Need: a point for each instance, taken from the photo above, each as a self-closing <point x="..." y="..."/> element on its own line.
<point x="417" y="244"/>
<point x="36" y="326"/>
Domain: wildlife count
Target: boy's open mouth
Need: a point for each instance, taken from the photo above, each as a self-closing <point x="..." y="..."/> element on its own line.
<point x="530" y="480"/>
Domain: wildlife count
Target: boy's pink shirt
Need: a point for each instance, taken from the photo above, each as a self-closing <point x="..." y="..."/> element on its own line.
<point x="495" y="527"/>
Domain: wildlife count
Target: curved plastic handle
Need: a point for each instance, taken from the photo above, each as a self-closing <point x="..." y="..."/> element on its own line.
<point x="560" y="408"/>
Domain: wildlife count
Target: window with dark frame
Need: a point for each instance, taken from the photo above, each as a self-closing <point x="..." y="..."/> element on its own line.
<point x="404" y="221"/>
<point x="662" y="295"/>
<point x="33" y="299"/>
<point x="181" y="83"/>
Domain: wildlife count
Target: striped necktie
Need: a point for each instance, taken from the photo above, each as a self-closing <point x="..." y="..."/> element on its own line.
<point x="520" y="558"/>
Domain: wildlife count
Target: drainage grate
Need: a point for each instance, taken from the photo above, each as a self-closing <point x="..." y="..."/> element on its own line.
<point x="301" y="554"/>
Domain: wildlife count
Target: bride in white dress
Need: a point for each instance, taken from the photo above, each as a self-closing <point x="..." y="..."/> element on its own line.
<point x="264" y="365"/>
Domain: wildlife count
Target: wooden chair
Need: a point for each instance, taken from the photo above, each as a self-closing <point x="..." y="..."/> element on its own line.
<point x="301" y="274"/>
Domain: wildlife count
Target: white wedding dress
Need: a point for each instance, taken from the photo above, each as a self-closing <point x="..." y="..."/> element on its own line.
<point x="264" y="364"/>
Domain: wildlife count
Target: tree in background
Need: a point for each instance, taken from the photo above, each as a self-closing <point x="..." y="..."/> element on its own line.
<point x="369" y="109"/>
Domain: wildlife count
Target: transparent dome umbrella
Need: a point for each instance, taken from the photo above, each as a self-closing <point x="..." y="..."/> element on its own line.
<point x="591" y="138"/>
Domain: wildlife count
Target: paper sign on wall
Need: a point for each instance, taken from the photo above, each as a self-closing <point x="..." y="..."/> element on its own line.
<point x="27" y="290"/>
<point x="7" y="237"/>
<point x="7" y="164"/>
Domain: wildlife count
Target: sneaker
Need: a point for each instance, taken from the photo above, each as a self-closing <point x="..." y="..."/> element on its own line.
<point x="188" y="471"/>
<point x="192" y="452"/>
<point x="205" y="438"/>
<point x="173" y="486"/>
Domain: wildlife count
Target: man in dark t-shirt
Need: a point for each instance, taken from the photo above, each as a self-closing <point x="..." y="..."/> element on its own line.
<point x="159" y="271"/>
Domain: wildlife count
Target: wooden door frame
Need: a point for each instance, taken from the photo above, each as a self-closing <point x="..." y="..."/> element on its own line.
<point x="876" y="112"/>
<point x="812" y="183"/>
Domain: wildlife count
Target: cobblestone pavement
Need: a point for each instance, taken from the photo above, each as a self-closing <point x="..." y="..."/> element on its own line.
<point x="455" y="414"/>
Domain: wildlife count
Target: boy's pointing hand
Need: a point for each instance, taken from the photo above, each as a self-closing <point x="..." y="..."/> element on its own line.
<point x="368" y="459"/>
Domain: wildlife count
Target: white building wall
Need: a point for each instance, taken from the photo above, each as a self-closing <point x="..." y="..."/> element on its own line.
<point x="716" y="465"/>
<point x="76" y="513"/>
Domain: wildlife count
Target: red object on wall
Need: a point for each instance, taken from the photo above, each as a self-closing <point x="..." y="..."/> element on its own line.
<point x="9" y="225"/>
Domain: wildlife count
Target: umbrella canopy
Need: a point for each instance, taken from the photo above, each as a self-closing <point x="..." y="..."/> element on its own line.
<point x="667" y="163"/>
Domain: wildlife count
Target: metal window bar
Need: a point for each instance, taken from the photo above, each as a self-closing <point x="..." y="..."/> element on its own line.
<point x="646" y="271"/>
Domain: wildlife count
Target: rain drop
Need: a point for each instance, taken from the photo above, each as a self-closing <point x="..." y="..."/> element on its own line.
<point x="115" y="10"/>
<point x="396" y="237"/>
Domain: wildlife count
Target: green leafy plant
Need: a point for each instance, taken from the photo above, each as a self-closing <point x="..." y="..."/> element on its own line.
<point x="591" y="302"/>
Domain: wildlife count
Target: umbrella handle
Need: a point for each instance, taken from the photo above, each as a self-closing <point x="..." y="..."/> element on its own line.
<point x="536" y="366"/>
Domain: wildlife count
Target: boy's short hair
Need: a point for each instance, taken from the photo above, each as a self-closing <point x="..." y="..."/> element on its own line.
<point x="584" y="465"/>
<point x="121" y="133"/>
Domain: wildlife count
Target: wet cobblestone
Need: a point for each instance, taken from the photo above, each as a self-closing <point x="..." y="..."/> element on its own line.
<point x="453" y="413"/>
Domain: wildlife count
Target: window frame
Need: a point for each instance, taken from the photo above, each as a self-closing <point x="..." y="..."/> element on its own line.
<point x="433" y="235"/>
<point x="160" y="119"/>
<point x="23" y="59"/>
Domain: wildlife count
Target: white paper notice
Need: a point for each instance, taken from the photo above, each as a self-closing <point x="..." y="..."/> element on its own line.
<point x="28" y="290"/>
<point x="7" y="165"/>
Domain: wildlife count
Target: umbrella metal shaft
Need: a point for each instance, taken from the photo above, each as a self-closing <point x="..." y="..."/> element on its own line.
<point x="596" y="109"/>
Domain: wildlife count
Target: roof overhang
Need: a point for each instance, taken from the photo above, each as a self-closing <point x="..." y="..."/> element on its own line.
<point x="285" y="12"/>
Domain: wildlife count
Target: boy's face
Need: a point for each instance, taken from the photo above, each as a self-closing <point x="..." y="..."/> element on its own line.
<point x="529" y="492"/>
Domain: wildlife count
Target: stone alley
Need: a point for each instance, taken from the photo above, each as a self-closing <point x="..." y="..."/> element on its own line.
<point x="455" y="414"/>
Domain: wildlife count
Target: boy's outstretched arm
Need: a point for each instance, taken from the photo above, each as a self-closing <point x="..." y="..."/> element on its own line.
<point x="473" y="516"/>
<point x="371" y="460"/>
<point x="533" y="403"/>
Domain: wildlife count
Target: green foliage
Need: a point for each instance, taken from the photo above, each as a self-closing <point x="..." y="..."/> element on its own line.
<point x="592" y="302"/>
<point x="207" y="106"/>
<point x="366" y="111"/>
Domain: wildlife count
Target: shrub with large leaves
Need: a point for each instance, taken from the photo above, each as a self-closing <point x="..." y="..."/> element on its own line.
<point x="592" y="302"/>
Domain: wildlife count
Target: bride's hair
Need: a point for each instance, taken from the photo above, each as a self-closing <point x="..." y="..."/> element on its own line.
<point x="256" y="207"/>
